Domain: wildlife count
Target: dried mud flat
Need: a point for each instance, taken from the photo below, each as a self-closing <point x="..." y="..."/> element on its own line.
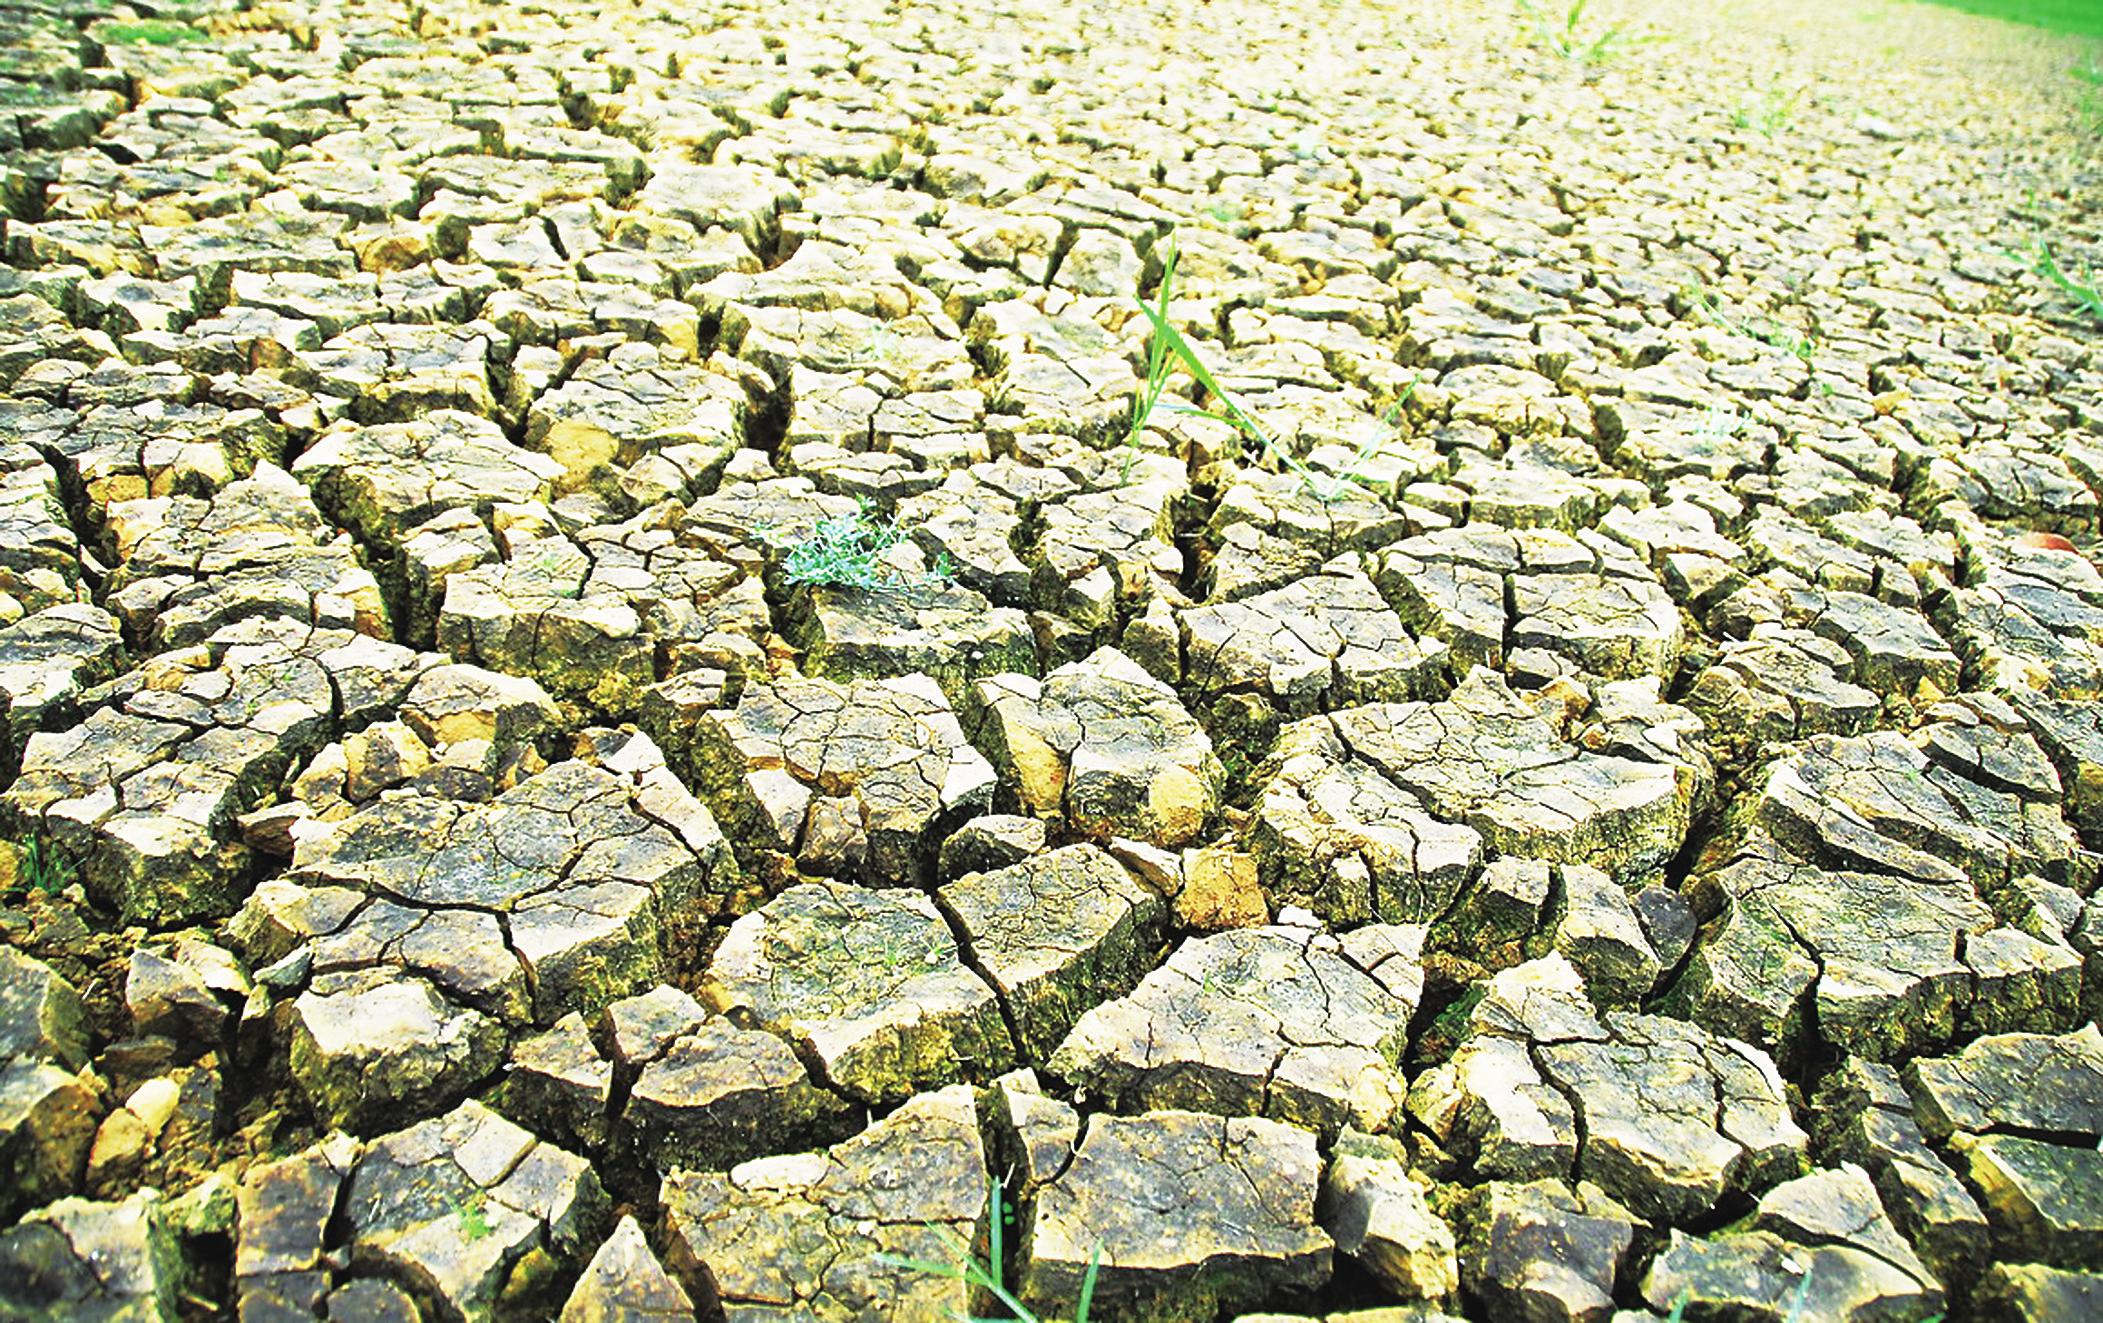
<point x="1623" y="850"/>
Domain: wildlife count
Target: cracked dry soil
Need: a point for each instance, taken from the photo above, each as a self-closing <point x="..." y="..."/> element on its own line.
<point x="1624" y="850"/>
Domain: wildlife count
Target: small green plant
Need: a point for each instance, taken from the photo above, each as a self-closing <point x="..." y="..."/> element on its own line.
<point x="1564" y="36"/>
<point x="2083" y="291"/>
<point x="846" y="551"/>
<point x="1167" y="350"/>
<point x="40" y="870"/>
<point x="473" y="1212"/>
<point x="1768" y="113"/>
<point x="148" y="33"/>
<point x="2090" y="99"/>
<point x="880" y="344"/>
<point x="1720" y="423"/>
<point x="552" y="566"/>
<point x="1452" y="1022"/>
<point x="1768" y="330"/>
<point x="987" y="1276"/>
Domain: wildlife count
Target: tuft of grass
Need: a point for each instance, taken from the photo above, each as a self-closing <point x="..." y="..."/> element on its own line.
<point x="1720" y="423"/>
<point x="2089" y="100"/>
<point x="1167" y="350"/>
<point x="987" y="1276"/>
<point x="473" y="1212"/>
<point x="1768" y="113"/>
<point x="40" y="870"/>
<point x="2083" y="292"/>
<point x="1768" y="330"/>
<point x="2080" y="17"/>
<point x="1565" y="36"/>
<point x="846" y="551"/>
<point x="148" y="32"/>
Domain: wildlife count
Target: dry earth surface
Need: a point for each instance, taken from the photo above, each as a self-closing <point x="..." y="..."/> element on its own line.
<point x="1624" y="848"/>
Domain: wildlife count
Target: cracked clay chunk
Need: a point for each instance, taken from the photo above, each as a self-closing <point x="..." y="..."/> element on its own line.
<point x="1290" y="1023"/>
<point x="868" y="985"/>
<point x="463" y="1204"/>
<point x="1104" y="745"/>
<point x="1664" y="1117"/>
<point x="800" y="1235"/>
<point x="1320" y="642"/>
<point x="1487" y="760"/>
<point x="1193" y="1214"/>
<point x="1056" y="934"/>
<point x="849" y="780"/>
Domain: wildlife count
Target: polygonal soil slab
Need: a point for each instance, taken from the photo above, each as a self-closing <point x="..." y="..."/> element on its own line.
<point x="1970" y="797"/>
<point x="395" y="372"/>
<point x="258" y="547"/>
<point x="39" y="554"/>
<point x="47" y="660"/>
<point x="1320" y="642"/>
<point x="1105" y="746"/>
<point x="454" y="1207"/>
<point x="614" y="415"/>
<point x="1185" y="1214"/>
<point x="1822" y="1239"/>
<point x="1542" y="1246"/>
<point x="142" y="794"/>
<point x="868" y="985"/>
<point x="1333" y="834"/>
<point x="1881" y="965"/>
<point x="383" y="481"/>
<point x="802" y="1235"/>
<point x="77" y="1258"/>
<point x="854" y="780"/>
<point x="1863" y="1116"/>
<point x="2027" y="617"/>
<point x="1056" y="934"/>
<point x="1483" y="591"/>
<point x="423" y="925"/>
<point x="625" y="1281"/>
<point x="1103" y="553"/>
<point x="2020" y="1115"/>
<point x="1663" y="1116"/>
<point x="665" y="1084"/>
<point x="118" y="453"/>
<point x="601" y="618"/>
<point x="2015" y="1083"/>
<point x="942" y="630"/>
<point x="1289" y="1023"/>
<point x="1485" y="759"/>
<point x="1783" y="684"/>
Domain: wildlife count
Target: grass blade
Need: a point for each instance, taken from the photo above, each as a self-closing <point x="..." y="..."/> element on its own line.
<point x="994" y="1257"/>
<point x="1087" y="1300"/>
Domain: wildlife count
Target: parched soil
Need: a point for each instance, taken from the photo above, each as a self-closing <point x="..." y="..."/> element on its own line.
<point x="614" y="710"/>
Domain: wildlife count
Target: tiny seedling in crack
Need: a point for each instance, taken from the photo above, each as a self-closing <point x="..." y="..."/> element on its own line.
<point x="1768" y="113"/>
<point x="2090" y="98"/>
<point x="988" y="1276"/>
<point x="847" y="551"/>
<point x="1720" y="423"/>
<point x="1167" y="350"/>
<point x="2083" y="292"/>
<point x="40" y="869"/>
<point x="553" y="565"/>
<point x="473" y="1212"/>
<point x="1768" y="330"/>
<point x="150" y="32"/>
<point x="1565" y="36"/>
